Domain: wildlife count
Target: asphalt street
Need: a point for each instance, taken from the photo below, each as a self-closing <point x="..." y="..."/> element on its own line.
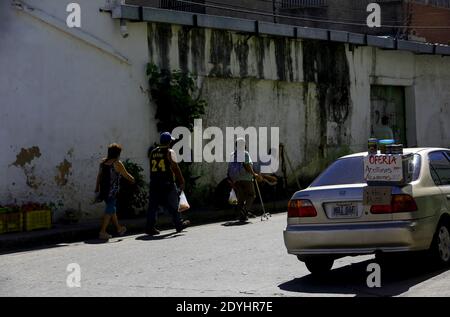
<point x="208" y="260"/>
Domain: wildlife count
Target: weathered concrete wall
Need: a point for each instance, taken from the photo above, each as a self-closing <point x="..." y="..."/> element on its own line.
<point x="318" y="93"/>
<point x="63" y="101"/>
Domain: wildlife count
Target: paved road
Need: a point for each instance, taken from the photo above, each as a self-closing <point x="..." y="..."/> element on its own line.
<point x="209" y="260"/>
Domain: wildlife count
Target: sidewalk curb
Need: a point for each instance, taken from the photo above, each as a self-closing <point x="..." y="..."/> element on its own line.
<point x="23" y="241"/>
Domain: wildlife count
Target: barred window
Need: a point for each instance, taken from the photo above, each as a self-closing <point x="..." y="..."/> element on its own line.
<point x="298" y="4"/>
<point x="183" y="6"/>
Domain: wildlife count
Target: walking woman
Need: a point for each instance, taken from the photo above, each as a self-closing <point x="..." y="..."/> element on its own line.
<point x="107" y="187"/>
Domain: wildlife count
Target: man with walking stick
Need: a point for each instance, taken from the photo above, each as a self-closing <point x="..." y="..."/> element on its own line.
<point x="241" y="175"/>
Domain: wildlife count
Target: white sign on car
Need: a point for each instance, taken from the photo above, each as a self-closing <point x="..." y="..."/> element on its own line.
<point x="384" y="168"/>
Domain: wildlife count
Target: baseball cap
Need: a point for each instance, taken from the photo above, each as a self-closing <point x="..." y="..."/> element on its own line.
<point x="165" y="138"/>
<point x="240" y="141"/>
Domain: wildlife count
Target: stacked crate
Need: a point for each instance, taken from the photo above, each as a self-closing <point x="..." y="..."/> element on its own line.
<point x="27" y="218"/>
<point x="11" y="220"/>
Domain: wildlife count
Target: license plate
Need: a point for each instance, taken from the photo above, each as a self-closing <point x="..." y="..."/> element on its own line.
<point x="347" y="210"/>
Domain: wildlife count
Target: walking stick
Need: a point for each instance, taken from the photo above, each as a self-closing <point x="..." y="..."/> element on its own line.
<point x="265" y="215"/>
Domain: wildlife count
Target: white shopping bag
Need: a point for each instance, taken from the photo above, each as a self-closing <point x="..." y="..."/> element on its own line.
<point x="184" y="205"/>
<point x="232" y="200"/>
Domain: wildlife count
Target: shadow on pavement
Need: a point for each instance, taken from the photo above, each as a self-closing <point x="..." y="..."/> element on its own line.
<point x="31" y="249"/>
<point x="236" y="223"/>
<point x="397" y="277"/>
<point x="147" y="237"/>
<point x="98" y="241"/>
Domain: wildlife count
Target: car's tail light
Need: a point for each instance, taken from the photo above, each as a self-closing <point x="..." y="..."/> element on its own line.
<point x="399" y="203"/>
<point x="301" y="208"/>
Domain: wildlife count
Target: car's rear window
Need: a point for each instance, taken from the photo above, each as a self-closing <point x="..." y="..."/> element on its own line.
<point x="351" y="171"/>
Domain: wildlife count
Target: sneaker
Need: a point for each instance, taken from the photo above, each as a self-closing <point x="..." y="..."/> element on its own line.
<point x="250" y="215"/>
<point x="184" y="225"/>
<point x="104" y="236"/>
<point x="122" y="231"/>
<point x="152" y="232"/>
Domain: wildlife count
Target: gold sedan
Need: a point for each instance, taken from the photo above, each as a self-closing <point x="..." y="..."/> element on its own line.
<point x="329" y="220"/>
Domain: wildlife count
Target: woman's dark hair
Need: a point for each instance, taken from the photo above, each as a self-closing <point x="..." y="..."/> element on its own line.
<point x="114" y="150"/>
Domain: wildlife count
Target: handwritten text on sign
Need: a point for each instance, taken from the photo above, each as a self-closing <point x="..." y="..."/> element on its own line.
<point x="386" y="168"/>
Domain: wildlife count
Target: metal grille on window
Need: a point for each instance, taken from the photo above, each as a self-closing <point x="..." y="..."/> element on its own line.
<point x="298" y="4"/>
<point x="183" y="6"/>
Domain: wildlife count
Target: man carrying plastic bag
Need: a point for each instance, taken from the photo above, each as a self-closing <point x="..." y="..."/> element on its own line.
<point x="184" y="205"/>
<point x="164" y="170"/>
<point x="232" y="200"/>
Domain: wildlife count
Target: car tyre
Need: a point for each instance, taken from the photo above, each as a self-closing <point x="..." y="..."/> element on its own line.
<point x="440" y="248"/>
<point x="319" y="265"/>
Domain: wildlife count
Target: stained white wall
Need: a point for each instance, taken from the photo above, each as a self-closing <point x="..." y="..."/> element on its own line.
<point x="70" y="100"/>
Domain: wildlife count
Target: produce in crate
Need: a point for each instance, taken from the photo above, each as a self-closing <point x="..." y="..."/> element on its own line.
<point x="33" y="206"/>
<point x="36" y="216"/>
<point x="11" y="219"/>
<point x="4" y="210"/>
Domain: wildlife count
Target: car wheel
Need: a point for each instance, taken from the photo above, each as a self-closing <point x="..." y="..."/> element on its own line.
<point x="440" y="247"/>
<point x="319" y="266"/>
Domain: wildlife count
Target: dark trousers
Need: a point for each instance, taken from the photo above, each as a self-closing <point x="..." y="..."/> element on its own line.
<point x="245" y="192"/>
<point x="167" y="196"/>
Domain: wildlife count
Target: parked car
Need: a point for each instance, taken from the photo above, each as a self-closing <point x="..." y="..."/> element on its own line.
<point x="328" y="220"/>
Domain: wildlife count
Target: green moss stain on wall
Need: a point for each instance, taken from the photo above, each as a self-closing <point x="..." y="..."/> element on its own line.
<point x="221" y="47"/>
<point x="183" y="48"/>
<point x="163" y="38"/>
<point x="283" y="59"/>
<point x="197" y="49"/>
<point x="325" y="64"/>
<point x="260" y="45"/>
<point x="242" y="50"/>
<point x="151" y="47"/>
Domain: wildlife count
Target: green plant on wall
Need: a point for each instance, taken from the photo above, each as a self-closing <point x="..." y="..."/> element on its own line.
<point x="132" y="197"/>
<point x="173" y="92"/>
<point x="178" y="104"/>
